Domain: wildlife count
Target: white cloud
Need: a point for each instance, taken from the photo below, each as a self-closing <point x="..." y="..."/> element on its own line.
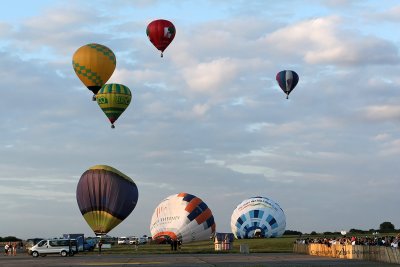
<point x="383" y="112"/>
<point x="391" y="148"/>
<point x="321" y="41"/>
<point x="382" y="137"/>
<point x="390" y="14"/>
<point x="200" y="109"/>
<point x="210" y="76"/>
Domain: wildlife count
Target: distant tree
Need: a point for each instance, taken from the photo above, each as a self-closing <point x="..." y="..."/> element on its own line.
<point x="9" y="239"/>
<point x="313" y="233"/>
<point x="292" y="232"/>
<point x="357" y="231"/>
<point x="386" y="227"/>
<point x="328" y="233"/>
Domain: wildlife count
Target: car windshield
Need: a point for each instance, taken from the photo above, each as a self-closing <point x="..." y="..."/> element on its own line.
<point x="41" y="243"/>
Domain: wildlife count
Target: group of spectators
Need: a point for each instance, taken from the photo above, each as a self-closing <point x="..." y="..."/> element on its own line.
<point x="10" y="249"/>
<point x="175" y="244"/>
<point x="387" y="241"/>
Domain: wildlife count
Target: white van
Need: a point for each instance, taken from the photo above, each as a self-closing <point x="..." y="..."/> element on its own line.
<point x="123" y="240"/>
<point x="64" y="247"/>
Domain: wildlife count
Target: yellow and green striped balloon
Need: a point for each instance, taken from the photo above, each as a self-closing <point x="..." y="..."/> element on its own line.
<point x="94" y="64"/>
<point x="113" y="99"/>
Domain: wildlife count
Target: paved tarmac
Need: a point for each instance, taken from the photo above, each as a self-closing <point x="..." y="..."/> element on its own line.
<point x="187" y="260"/>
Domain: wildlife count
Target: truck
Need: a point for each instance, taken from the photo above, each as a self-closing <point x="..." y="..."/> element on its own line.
<point x="80" y="238"/>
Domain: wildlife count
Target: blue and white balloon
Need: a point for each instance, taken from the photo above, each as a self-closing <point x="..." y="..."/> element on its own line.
<point x="258" y="216"/>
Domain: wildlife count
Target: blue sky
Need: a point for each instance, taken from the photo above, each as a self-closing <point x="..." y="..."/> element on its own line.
<point x="208" y="118"/>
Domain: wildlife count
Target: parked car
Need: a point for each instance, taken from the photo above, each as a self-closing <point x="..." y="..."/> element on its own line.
<point x="88" y="246"/>
<point x="31" y="242"/>
<point x="123" y="240"/>
<point x="63" y="247"/>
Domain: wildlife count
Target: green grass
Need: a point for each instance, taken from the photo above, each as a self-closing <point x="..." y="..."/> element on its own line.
<point x="262" y="245"/>
<point x="265" y="245"/>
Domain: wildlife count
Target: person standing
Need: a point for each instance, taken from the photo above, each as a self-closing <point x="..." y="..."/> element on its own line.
<point x="6" y="248"/>
<point x="14" y="248"/>
<point x="100" y="245"/>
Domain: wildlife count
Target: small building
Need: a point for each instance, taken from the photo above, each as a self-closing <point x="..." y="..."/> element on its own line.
<point x="223" y="241"/>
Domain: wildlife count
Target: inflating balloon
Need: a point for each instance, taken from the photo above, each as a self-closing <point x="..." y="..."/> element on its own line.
<point x="105" y="197"/>
<point x="113" y="99"/>
<point x="258" y="217"/>
<point x="287" y="80"/>
<point x="161" y="32"/>
<point x="94" y="64"/>
<point x="182" y="217"/>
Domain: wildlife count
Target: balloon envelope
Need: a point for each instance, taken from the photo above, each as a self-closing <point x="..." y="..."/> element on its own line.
<point x="161" y="32"/>
<point x="287" y="80"/>
<point x="182" y="216"/>
<point x="113" y="99"/>
<point x="258" y="215"/>
<point x="105" y="197"/>
<point x="94" y="64"/>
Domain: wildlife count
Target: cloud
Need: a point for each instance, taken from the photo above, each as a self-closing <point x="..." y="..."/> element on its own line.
<point x="382" y="137"/>
<point x="382" y="112"/>
<point x="390" y="148"/>
<point x="210" y="76"/>
<point x="391" y="14"/>
<point x="321" y="41"/>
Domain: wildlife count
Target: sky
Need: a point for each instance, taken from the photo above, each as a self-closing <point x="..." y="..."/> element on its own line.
<point x="208" y="118"/>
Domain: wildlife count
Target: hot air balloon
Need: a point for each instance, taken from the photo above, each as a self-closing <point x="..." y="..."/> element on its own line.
<point x="113" y="99"/>
<point x="183" y="217"/>
<point x="94" y="64"/>
<point x="105" y="197"/>
<point x="161" y="32"/>
<point x="287" y="80"/>
<point x="258" y="217"/>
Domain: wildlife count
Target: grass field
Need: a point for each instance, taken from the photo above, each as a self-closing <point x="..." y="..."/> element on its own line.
<point x="262" y="245"/>
<point x="283" y="244"/>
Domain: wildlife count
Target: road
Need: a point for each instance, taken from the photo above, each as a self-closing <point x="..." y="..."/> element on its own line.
<point x="187" y="260"/>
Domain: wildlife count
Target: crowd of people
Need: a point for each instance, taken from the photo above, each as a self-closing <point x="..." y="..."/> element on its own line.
<point x="10" y="249"/>
<point x="175" y="244"/>
<point x="387" y="241"/>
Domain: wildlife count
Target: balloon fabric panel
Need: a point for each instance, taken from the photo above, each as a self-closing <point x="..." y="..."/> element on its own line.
<point x="183" y="216"/>
<point x="161" y="33"/>
<point x="94" y="64"/>
<point x="258" y="213"/>
<point x="287" y="80"/>
<point x="105" y="198"/>
<point x="101" y="222"/>
<point x="106" y="191"/>
<point x="113" y="99"/>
